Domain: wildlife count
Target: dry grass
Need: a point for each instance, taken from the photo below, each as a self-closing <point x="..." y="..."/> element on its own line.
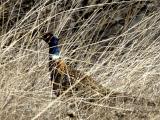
<point x="122" y="58"/>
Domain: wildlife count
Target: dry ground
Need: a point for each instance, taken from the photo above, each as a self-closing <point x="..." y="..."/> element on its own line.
<point x="116" y="44"/>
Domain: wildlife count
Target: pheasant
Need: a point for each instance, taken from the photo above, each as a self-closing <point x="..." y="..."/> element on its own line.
<point x="57" y="66"/>
<point x="63" y="76"/>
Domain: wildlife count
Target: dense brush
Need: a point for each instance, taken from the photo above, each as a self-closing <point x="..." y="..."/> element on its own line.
<point x="113" y="45"/>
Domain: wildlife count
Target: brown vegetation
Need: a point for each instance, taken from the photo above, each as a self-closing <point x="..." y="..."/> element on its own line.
<point x="111" y="48"/>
